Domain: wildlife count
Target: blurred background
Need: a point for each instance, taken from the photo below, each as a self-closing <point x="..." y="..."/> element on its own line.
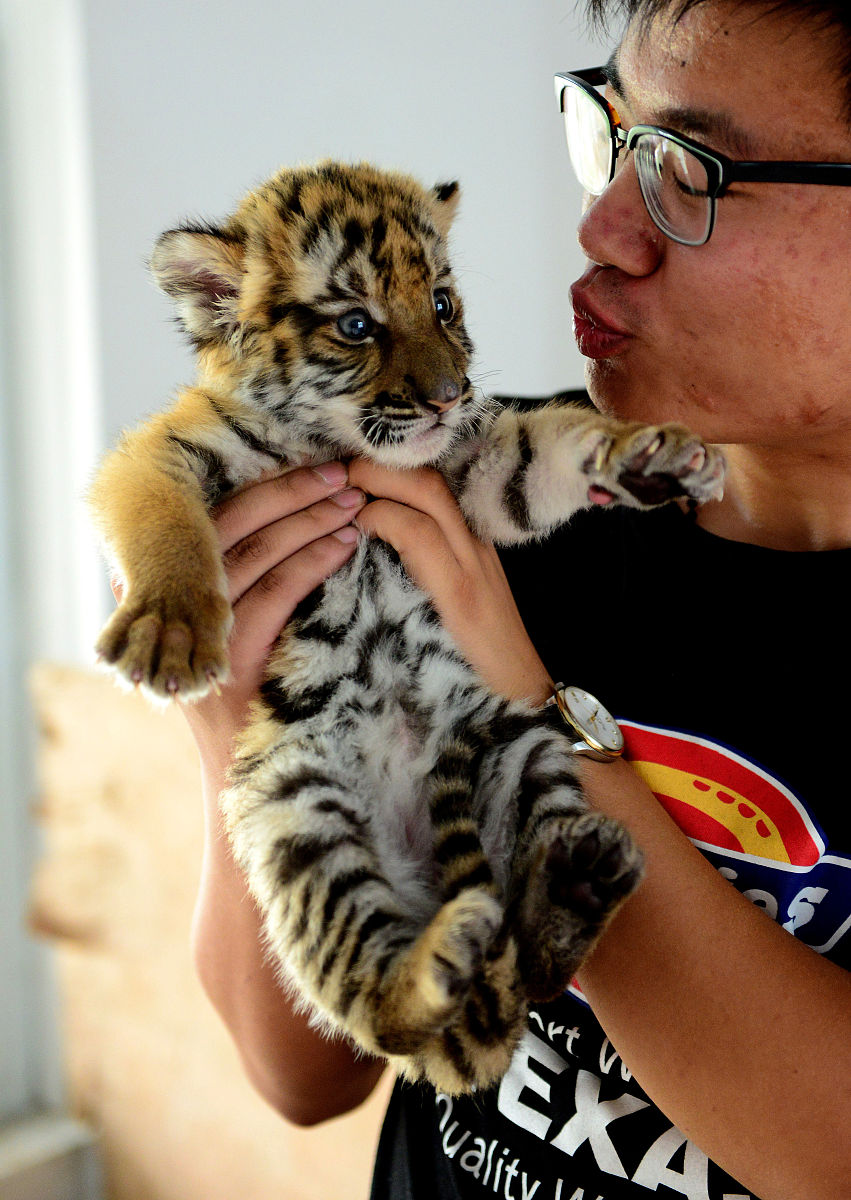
<point x="117" y="121"/>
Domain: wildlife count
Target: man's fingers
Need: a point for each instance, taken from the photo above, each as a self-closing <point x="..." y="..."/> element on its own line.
<point x="270" y="500"/>
<point x="424" y="491"/>
<point x="264" y="609"/>
<point x="415" y="536"/>
<point x="248" y="560"/>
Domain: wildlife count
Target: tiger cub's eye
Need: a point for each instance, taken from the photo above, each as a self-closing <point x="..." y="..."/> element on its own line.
<point x="443" y="305"/>
<point x="356" y="325"/>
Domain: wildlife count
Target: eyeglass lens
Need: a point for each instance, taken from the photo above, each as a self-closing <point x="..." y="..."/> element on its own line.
<point x="673" y="181"/>
<point x="675" y="188"/>
<point x="589" y="140"/>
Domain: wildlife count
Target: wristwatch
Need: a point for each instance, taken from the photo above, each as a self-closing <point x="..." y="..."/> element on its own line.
<point x="598" y="733"/>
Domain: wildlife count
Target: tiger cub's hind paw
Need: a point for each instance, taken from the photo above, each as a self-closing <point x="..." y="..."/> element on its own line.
<point x="476" y="1050"/>
<point x="591" y="865"/>
<point x="174" y="649"/>
<point x="585" y="867"/>
<point x="457" y="941"/>
<point x="652" y="464"/>
<point x="432" y="980"/>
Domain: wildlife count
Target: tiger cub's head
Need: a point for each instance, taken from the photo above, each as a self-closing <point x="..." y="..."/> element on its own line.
<point x="327" y="301"/>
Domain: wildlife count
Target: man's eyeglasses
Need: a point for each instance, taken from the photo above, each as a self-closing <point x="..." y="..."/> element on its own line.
<point x="680" y="180"/>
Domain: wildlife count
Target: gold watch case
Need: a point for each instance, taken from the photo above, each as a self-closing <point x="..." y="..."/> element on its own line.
<point x="599" y="734"/>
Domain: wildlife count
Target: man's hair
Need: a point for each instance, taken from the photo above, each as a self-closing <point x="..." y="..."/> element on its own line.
<point x="829" y="16"/>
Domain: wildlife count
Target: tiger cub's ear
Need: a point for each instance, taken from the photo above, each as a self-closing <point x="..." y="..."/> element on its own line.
<point x="447" y="196"/>
<point x="201" y="269"/>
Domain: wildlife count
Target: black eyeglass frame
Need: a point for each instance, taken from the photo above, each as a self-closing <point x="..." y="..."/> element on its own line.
<point x="721" y="171"/>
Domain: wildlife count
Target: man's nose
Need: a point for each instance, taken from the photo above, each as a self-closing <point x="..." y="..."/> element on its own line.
<point x="616" y="230"/>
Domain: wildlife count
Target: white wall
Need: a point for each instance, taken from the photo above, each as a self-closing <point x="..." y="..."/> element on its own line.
<point x="192" y="102"/>
<point x="48" y="570"/>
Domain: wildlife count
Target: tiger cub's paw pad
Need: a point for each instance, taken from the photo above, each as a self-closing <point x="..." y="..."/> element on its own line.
<point x="173" y="649"/>
<point x="592" y="864"/>
<point x="653" y="465"/>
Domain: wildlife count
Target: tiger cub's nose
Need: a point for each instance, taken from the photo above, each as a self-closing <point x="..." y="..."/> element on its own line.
<point x="443" y="395"/>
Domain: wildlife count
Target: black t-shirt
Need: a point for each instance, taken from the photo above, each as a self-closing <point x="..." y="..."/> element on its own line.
<point x="725" y="664"/>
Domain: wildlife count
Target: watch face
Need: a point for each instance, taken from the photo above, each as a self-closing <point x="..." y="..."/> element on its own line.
<point x="593" y="719"/>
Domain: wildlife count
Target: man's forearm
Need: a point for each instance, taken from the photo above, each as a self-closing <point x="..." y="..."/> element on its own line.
<point x="302" y="1074"/>
<point x="739" y="1033"/>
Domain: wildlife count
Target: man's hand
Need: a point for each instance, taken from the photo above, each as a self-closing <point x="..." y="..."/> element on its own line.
<point x="280" y="539"/>
<point x="416" y="513"/>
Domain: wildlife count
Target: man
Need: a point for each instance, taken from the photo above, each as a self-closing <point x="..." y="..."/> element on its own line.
<point x="713" y="1060"/>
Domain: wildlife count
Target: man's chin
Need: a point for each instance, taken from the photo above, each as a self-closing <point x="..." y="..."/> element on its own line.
<point x="642" y="397"/>
<point x="627" y="395"/>
<point x="613" y="392"/>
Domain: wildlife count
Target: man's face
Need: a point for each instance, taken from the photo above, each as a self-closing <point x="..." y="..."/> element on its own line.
<point x="747" y="338"/>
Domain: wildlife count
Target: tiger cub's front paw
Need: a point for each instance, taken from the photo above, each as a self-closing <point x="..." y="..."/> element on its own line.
<point x="174" y="647"/>
<point x="651" y="464"/>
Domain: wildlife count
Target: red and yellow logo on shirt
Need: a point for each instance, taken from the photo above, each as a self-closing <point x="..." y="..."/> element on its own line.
<point x="720" y="800"/>
<point x="753" y="829"/>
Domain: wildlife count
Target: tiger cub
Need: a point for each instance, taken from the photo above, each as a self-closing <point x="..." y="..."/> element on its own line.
<point x="419" y="847"/>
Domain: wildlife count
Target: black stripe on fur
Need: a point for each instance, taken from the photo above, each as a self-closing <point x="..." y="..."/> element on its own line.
<point x="457" y="1055"/>
<point x="245" y="435"/>
<point x="299" y="854"/>
<point x="457" y="844"/>
<point x="482" y="1014"/>
<point x="289" y="787"/>
<point x="478" y="876"/>
<point x="514" y="493"/>
<point x="207" y="465"/>
<point x="293" y="706"/>
<point x="375" y="922"/>
<point x="343" y="886"/>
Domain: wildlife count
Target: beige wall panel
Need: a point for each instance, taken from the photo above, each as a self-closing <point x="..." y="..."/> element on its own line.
<point x="149" y="1064"/>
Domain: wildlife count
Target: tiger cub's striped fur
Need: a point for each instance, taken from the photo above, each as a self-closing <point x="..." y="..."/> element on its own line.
<point x="419" y="847"/>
